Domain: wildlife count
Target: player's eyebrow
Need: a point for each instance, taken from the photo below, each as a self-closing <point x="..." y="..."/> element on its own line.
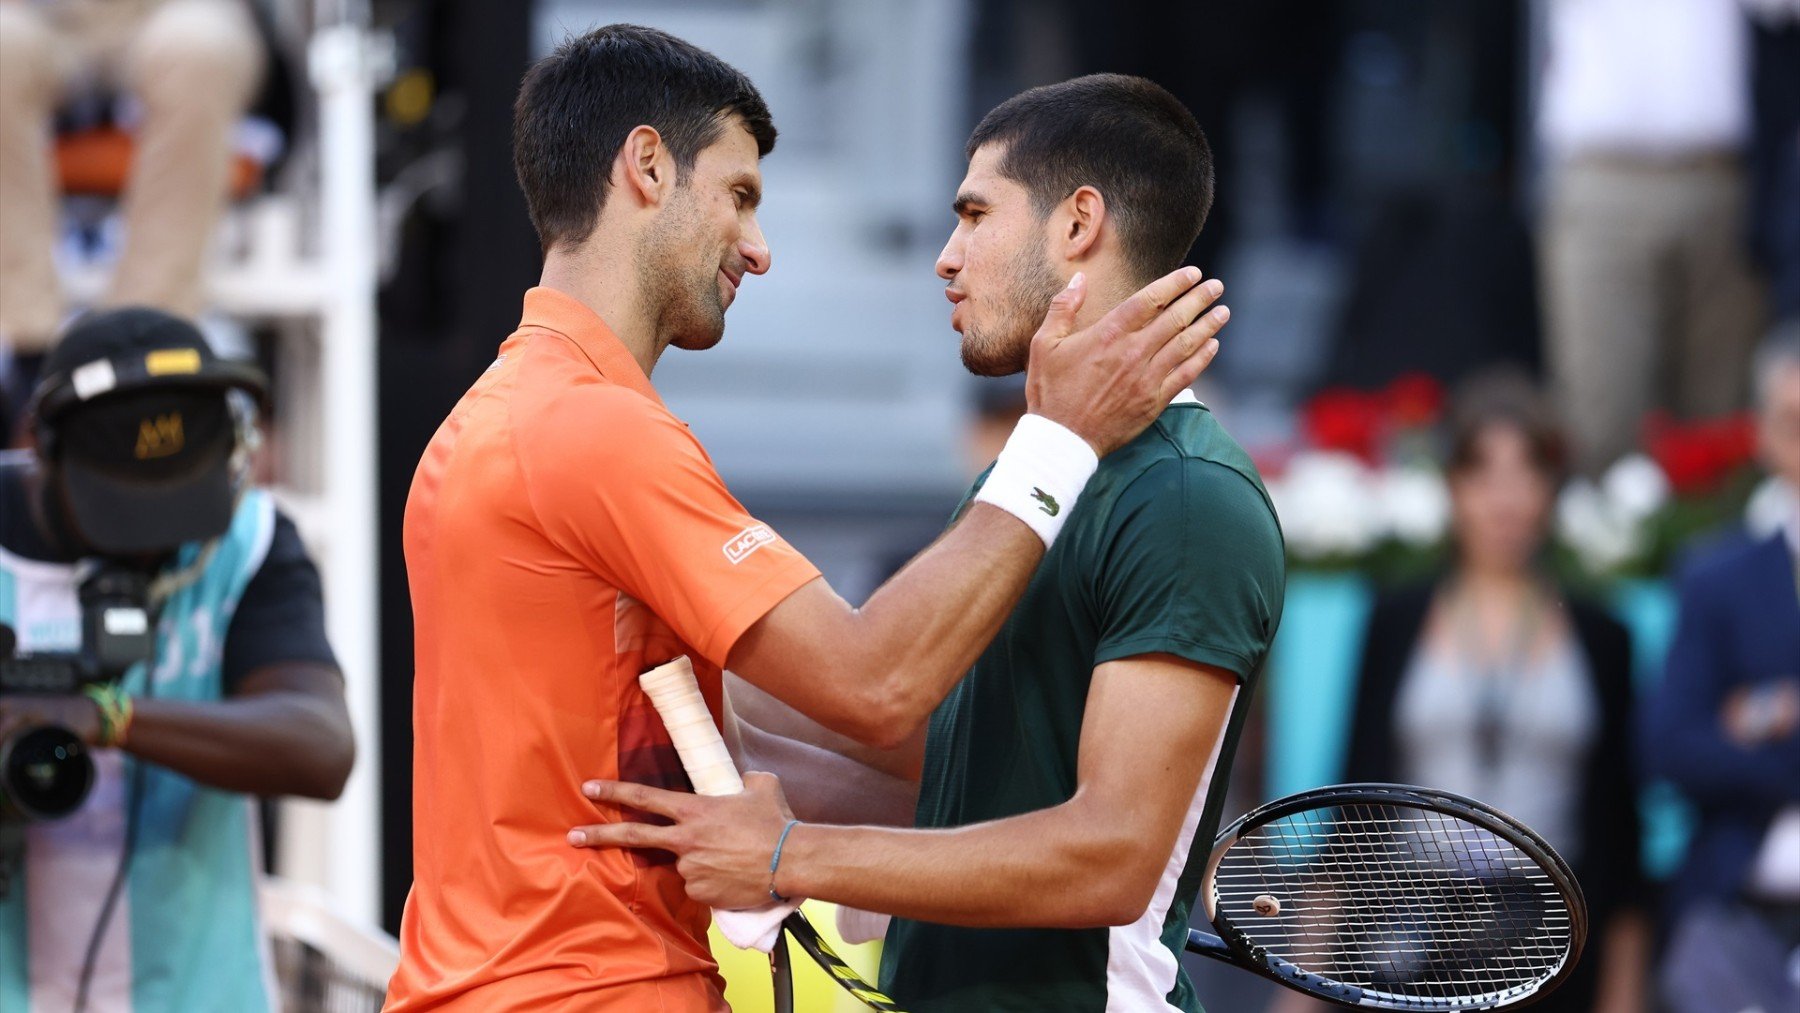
<point x="967" y="200"/>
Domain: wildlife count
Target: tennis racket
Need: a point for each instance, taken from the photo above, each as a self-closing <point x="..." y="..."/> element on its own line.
<point x="1385" y="896"/>
<point x="1369" y="895"/>
<point x="675" y="693"/>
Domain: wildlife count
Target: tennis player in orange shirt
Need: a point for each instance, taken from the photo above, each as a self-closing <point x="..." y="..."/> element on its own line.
<point x="566" y="532"/>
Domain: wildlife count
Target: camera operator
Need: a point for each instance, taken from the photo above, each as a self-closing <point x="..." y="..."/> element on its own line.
<point x="144" y="897"/>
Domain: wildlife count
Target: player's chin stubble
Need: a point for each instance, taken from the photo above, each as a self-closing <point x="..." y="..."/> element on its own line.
<point x="1004" y="348"/>
<point x="682" y="292"/>
<point x="693" y="314"/>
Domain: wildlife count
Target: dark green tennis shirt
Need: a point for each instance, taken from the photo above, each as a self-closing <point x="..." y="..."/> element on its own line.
<point x="1173" y="548"/>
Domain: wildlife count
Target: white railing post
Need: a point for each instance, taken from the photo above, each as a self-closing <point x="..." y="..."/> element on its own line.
<point x="339" y="845"/>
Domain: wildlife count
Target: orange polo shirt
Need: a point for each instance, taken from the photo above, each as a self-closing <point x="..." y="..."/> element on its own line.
<point x="564" y="533"/>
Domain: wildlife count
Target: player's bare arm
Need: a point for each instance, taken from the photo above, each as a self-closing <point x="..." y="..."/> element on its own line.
<point x="876" y="673"/>
<point x="833" y="778"/>
<point x="827" y="786"/>
<point x="754" y="714"/>
<point x="283" y="731"/>
<point x="1150" y="726"/>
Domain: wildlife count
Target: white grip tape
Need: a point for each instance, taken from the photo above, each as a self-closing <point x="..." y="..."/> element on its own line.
<point x="675" y="693"/>
<point x="1039" y="475"/>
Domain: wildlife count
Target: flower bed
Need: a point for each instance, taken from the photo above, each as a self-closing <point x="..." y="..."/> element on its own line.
<point x="1365" y="490"/>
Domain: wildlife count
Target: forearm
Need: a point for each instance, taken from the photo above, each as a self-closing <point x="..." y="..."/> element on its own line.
<point x="1094" y="859"/>
<point x="876" y="673"/>
<point x="771" y="722"/>
<point x="823" y="786"/>
<point x="1687" y="741"/>
<point x="276" y="743"/>
<point x="923" y="629"/>
<point x="1050" y="868"/>
<point x="1695" y="755"/>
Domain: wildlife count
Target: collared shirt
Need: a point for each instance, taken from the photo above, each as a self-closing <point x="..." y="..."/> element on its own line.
<point x="1173" y="548"/>
<point x="564" y="533"/>
<point x="1652" y="78"/>
<point x="1775" y="508"/>
<point x="1790" y="526"/>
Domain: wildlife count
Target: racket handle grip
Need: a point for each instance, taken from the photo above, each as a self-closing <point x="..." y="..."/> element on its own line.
<point x="675" y="692"/>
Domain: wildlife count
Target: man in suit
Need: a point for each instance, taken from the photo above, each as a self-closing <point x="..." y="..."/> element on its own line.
<point x="1725" y="728"/>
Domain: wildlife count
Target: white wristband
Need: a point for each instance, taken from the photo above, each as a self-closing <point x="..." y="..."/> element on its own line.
<point x="1039" y="474"/>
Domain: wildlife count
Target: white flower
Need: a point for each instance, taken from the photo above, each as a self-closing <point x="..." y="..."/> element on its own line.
<point x="1415" y="505"/>
<point x="1327" y="505"/>
<point x="1590" y="524"/>
<point x="1635" y="487"/>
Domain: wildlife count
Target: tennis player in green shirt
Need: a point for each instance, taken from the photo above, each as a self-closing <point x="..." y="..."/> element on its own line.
<point x="1071" y="783"/>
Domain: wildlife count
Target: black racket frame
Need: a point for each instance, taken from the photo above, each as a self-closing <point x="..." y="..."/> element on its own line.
<point x="1235" y="947"/>
<point x="796" y="929"/>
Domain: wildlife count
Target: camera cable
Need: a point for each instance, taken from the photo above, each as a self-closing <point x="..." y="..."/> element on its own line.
<point x="160" y="591"/>
<point x="133" y="810"/>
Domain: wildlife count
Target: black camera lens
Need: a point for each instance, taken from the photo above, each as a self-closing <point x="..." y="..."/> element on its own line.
<point x="45" y="773"/>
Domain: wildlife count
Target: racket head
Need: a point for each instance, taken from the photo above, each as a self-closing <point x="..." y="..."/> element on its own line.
<point x="1395" y="897"/>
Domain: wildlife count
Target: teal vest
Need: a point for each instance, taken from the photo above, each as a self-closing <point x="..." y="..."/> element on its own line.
<point x="184" y="933"/>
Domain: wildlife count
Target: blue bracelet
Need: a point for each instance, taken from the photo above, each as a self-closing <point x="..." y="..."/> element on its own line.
<point x="775" y="862"/>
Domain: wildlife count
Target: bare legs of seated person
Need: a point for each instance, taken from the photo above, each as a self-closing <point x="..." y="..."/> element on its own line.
<point x="193" y="65"/>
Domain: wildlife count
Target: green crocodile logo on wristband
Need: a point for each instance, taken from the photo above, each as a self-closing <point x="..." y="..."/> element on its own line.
<point x="1046" y="502"/>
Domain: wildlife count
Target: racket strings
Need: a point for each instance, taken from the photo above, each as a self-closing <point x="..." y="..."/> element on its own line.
<point x="1399" y="901"/>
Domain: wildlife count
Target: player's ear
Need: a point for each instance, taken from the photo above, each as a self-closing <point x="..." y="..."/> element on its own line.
<point x="1082" y="214"/>
<point x="644" y="166"/>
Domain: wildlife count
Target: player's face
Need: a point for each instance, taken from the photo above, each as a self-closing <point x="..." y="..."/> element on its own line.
<point x="1000" y="276"/>
<point x="703" y="243"/>
<point x="1500" y="504"/>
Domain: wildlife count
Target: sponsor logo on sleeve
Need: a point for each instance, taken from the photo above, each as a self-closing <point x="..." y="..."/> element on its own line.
<point x="747" y="541"/>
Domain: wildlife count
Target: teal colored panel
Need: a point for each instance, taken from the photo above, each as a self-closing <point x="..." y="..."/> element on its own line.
<point x="1312" y="679"/>
<point x="197" y="845"/>
<point x="1311" y="686"/>
<point x="15" y="981"/>
<point x="1647" y="608"/>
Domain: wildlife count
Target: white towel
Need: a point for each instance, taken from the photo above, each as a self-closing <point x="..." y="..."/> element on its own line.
<point x="858" y="926"/>
<point x="754" y="928"/>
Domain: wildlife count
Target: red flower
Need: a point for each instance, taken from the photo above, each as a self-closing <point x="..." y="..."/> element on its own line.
<point x="1350" y="421"/>
<point x="1414" y="400"/>
<point x="1698" y="456"/>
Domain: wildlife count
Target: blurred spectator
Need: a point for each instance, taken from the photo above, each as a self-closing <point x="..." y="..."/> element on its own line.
<point x="1650" y="295"/>
<point x="1726" y="728"/>
<point x="144" y="897"/>
<point x="1495" y="683"/>
<point x="1775" y="148"/>
<point x="192" y="66"/>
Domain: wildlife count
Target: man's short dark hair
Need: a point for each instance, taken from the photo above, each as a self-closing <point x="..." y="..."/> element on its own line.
<point x="1124" y="136"/>
<point x="578" y="104"/>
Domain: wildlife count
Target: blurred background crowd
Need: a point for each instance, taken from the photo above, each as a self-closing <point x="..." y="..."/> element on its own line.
<point x="1515" y="341"/>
